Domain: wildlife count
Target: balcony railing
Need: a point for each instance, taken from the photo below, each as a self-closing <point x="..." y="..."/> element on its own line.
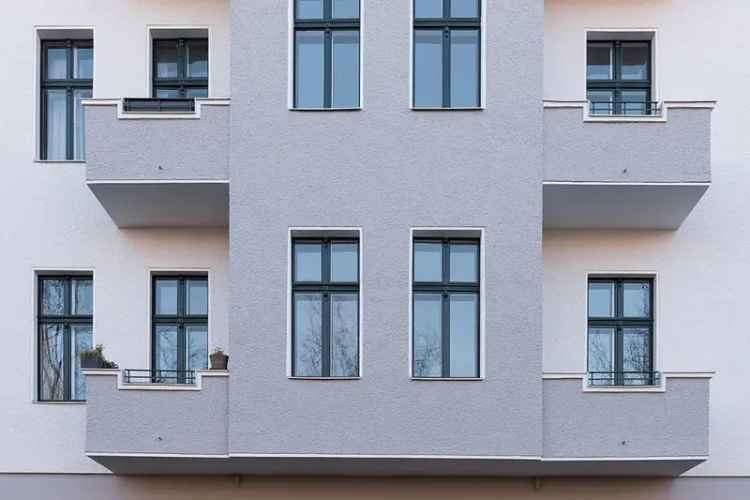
<point x="165" y="377"/>
<point x="624" y="378"/>
<point x="156" y="105"/>
<point x="624" y="108"/>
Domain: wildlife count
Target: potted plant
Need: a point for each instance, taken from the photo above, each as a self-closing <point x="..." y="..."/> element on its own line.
<point x="94" y="358"/>
<point x="219" y="360"/>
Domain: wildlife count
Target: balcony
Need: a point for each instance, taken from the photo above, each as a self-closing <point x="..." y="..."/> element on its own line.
<point x="658" y="429"/>
<point x="604" y="170"/>
<point x="159" y="162"/>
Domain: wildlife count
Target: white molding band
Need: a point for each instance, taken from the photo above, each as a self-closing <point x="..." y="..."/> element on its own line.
<point x="662" y="387"/>
<point x="122" y="386"/>
<point x="122" y="115"/>
<point x="667" y="104"/>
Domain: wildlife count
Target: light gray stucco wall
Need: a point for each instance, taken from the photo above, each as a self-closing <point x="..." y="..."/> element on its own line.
<point x="135" y="149"/>
<point x="156" y="421"/>
<point x="386" y="169"/>
<point x="669" y="424"/>
<point x="678" y="150"/>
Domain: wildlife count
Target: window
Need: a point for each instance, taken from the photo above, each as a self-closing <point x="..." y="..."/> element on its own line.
<point x="179" y="327"/>
<point x="447" y="36"/>
<point x="180" y="68"/>
<point x="326" y="53"/>
<point x="67" y="77"/>
<point x="620" y="331"/>
<point x="445" y="322"/>
<point x="618" y="75"/>
<point x="325" y="308"/>
<point x="64" y="321"/>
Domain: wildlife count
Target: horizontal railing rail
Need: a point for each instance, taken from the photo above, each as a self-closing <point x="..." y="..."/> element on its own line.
<point x="158" y="105"/>
<point x="131" y="376"/>
<point x="624" y="378"/>
<point x="625" y="108"/>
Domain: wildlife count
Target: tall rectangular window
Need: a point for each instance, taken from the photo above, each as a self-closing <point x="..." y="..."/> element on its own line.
<point x="67" y="77"/>
<point x="618" y="78"/>
<point x="326" y="53"/>
<point x="180" y="68"/>
<point x="179" y="327"/>
<point x="65" y="328"/>
<point x="447" y="53"/>
<point x="325" y="307"/>
<point x="620" y="331"/>
<point x="445" y="322"/>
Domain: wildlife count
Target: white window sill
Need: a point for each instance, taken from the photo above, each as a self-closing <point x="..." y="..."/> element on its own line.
<point x="448" y="379"/>
<point x="53" y="162"/>
<point x="325" y="379"/>
<point x="440" y="108"/>
<point x="326" y="109"/>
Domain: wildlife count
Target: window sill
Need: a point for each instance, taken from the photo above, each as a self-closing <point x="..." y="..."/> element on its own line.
<point x="470" y="108"/>
<point x="44" y="162"/>
<point x="326" y="109"/>
<point x="59" y="403"/>
<point x="625" y="118"/>
<point x="623" y="389"/>
<point x="448" y="379"/>
<point x="325" y="379"/>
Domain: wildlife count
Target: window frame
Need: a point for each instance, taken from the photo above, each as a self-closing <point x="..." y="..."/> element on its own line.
<point x="328" y="24"/>
<point x="69" y="84"/>
<point x="66" y="320"/>
<point x="445" y="288"/>
<point x="326" y="288"/>
<point x="446" y="24"/>
<point x="181" y="319"/>
<point x="182" y="83"/>
<point x="616" y="85"/>
<point x="619" y="322"/>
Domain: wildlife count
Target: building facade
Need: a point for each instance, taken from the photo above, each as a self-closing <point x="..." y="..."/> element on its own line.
<point x="453" y="249"/>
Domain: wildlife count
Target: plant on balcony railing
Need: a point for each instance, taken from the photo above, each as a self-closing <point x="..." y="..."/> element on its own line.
<point x="624" y="108"/>
<point x="626" y="378"/>
<point x="94" y="358"/>
<point x="131" y="376"/>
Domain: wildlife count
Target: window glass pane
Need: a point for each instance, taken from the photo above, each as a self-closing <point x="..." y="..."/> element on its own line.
<point x="464" y="8"/>
<point x="57" y="63"/>
<point x="636" y="300"/>
<point x="309" y="66"/>
<point x="166" y="296"/>
<point x="464" y="68"/>
<point x="308" y="348"/>
<point x="464" y="260"/>
<point x="57" y="124"/>
<point x="601" y="347"/>
<point x="307" y="262"/>
<point x="196" y="52"/>
<point x="428" y="68"/>
<point x="428" y="327"/>
<point x="601" y="299"/>
<point x="165" y="345"/>
<point x="197" y="297"/>
<point x="53" y="297"/>
<point x="599" y="61"/>
<point x="464" y="337"/>
<point x="636" y="355"/>
<point x="83" y="63"/>
<point x="601" y="102"/>
<point x="196" y="92"/>
<point x="346" y="9"/>
<point x="82" y="340"/>
<point x="428" y="262"/>
<point x="51" y="354"/>
<point x="635" y="61"/>
<point x="309" y="9"/>
<point x="428" y="8"/>
<point x="79" y="123"/>
<point x="166" y="59"/>
<point x="344" y="335"/>
<point x="634" y="102"/>
<point x="168" y="93"/>
<point x="344" y="262"/>
<point x="82" y="297"/>
<point x="197" y="347"/>
<point x="345" y="69"/>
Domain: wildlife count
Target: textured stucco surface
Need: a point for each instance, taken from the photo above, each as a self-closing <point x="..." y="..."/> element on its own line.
<point x="669" y="424"/>
<point x="157" y="149"/>
<point x="147" y="421"/>
<point x="385" y="169"/>
<point x="678" y="150"/>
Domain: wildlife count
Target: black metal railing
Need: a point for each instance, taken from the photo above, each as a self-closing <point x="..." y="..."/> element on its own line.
<point x="625" y="108"/>
<point x="624" y="378"/>
<point x="159" y="376"/>
<point x="156" y="105"/>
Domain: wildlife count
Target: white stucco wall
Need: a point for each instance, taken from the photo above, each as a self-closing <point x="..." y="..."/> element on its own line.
<point x="702" y="269"/>
<point x="51" y="220"/>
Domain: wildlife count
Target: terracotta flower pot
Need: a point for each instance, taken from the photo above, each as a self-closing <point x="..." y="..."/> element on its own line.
<point x="219" y="361"/>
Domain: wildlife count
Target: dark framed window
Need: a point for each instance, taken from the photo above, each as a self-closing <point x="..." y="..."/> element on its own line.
<point x="179" y="329"/>
<point x="180" y="68"/>
<point x="445" y="305"/>
<point x="65" y="328"/>
<point x="620" y="331"/>
<point x="326" y="53"/>
<point x="447" y="53"/>
<point x="67" y="77"/>
<point x="325" y="307"/>
<point x="618" y="78"/>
